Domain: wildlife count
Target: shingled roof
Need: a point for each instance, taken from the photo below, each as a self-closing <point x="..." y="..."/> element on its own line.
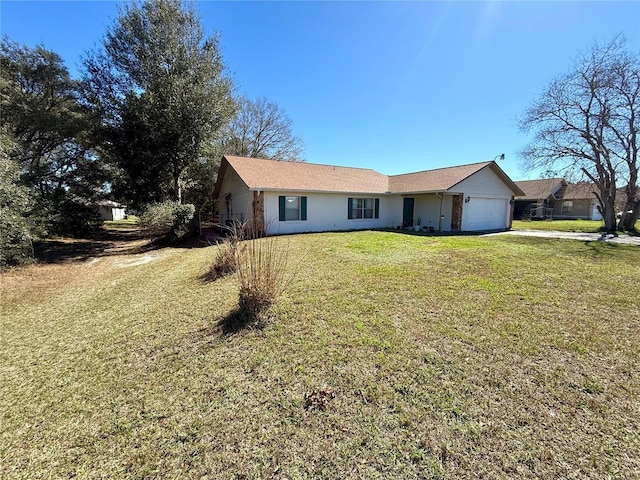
<point x="437" y="180"/>
<point x="582" y="190"/>
<point x="261" y="174"/>
<point x="538" y="189"/>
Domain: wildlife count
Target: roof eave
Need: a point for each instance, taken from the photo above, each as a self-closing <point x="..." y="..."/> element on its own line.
<point x="308" y="190"/>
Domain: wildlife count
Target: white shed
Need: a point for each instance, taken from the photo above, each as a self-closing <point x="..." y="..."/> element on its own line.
<point x="110" y="210"/>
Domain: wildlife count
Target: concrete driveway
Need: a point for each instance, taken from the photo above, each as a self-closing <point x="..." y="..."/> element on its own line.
<point x="585" y="237"/>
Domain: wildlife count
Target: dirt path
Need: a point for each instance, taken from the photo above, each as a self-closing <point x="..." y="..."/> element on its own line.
<point x="108" y="242"/>
<point x="61" y="261"/>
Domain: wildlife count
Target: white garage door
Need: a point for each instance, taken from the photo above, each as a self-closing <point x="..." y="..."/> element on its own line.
<point x="485" y="214"/>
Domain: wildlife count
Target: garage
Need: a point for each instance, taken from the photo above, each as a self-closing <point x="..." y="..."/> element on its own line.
<point x="485" y="214"/>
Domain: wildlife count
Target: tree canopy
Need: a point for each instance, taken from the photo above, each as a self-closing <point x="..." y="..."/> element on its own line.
<point x="40" y="105"/>
<point x="587" y="120"/>
<point x="261" y="129"/>
<point x="159" y="87"/>
<point x="49" y="127"/>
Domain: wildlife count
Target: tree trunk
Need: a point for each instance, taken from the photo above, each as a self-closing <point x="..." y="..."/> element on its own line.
<point x="609" y="203"/>
<point x="606" y="194"/>
<point x="177" y="192"/>
<point x="629" y="220"/>
<point x="632" y="204"/>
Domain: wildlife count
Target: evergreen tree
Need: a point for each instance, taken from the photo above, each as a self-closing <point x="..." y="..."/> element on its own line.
<point x="159" y="88"/>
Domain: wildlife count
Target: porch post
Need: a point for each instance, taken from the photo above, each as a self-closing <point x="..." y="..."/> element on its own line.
<point x="456" y="212"/>
<point x="441" y="197"/>
<point x="258" y="213"/>
<point x="512" y="205"/>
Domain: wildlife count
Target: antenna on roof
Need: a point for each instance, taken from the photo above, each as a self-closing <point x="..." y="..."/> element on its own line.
<point x="501" y="157"/>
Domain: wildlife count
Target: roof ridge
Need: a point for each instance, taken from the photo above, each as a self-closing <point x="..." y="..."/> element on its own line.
<point x="540" y="179"/>
<point x="488" y="162"/>
<point x="303" y="163"/>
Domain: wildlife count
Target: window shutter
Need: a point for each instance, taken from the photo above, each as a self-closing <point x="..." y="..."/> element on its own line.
<point x="350" y="208"/>
<point x="376" y="213"/>
<point x="281" y="201"/>
<point x="303" y="208"/>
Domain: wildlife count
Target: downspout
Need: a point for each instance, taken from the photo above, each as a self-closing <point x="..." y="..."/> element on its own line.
<point x="441" y="197"/>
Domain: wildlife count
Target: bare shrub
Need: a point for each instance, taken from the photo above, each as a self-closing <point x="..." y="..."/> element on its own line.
<point x="262" y="271"/>
<point x="225" y="262"/>
<point x="261" y="267"/>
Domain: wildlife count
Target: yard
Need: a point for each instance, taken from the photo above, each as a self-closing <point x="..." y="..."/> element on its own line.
<point x="586" y="226"/>
<point x="436" y="357"/>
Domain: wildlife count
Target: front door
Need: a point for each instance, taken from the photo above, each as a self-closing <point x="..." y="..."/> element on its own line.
<point x="407" y="212"/>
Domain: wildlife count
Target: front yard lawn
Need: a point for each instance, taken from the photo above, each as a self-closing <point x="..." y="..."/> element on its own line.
<point x="586" y="226"/>
<point x="439" y="357"/>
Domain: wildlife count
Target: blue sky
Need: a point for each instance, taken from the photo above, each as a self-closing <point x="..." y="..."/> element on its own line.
<point x="393" y="86"/>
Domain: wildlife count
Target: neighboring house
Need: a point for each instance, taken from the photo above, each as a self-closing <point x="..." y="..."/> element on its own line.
<point x="578" y="201"/>
<point x="539" y="197"/>
<point x="110" y="210"/>
<point x="291" y="197"/>
<point x="555" y="198"/>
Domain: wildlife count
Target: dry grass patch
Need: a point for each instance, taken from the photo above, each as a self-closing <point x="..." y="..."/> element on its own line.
<point x="432" y="357"/>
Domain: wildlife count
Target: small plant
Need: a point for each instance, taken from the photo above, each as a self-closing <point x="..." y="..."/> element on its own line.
<point x="225" y="262"/>
<point x="592" y="387"/>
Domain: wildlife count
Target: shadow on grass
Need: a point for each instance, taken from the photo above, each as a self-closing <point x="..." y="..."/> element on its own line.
<point x="106" y="242"/>
<point x="109" y="242"/>
<point x="601" y="247"/>
<point x="240" y="319"/>
<point x="424" y="233"/>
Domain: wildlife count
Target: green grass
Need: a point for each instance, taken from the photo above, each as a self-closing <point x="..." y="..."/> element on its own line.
<point x="129" y="222"/>
<point x="450" y="357"/>
<point x="587" y="226"/>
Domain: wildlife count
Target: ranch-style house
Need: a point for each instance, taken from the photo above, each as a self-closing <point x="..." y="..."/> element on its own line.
<point x="293" y="197"/>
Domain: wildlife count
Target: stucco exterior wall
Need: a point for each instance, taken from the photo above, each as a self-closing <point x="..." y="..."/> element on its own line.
<point x="325" y="212"/>
<point x="111" y="213"/>
<point x="488" y="204"/>
<point x="427" y="207"/>
<point x="484" y="183"/>
<point x="241" y="197"/>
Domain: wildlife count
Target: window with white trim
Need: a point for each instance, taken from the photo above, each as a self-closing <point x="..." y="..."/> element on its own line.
<point x="567" y="206"/>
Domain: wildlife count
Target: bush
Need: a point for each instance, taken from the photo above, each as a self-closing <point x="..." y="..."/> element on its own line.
<point x="262" y="269"/>
<point x="16" y="227"/>
<point x="170" y="221"/>
<point x="225" y="262"/>
<point x="16" y="240"/>
<point x="73" y="217"/>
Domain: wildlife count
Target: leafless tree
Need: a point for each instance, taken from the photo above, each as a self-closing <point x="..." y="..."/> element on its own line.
<point x="261" y="129"/>
<point x="588" y="120"/>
